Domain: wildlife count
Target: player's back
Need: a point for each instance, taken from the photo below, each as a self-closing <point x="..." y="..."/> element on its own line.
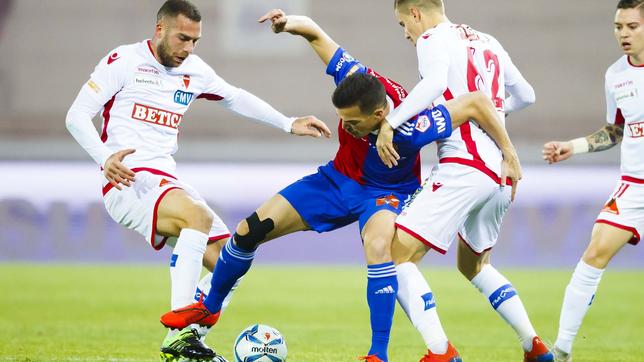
<point x="476" y="62"/>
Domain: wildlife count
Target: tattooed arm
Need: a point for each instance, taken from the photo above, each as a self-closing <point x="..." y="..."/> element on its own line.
<point x="605" y="138"/>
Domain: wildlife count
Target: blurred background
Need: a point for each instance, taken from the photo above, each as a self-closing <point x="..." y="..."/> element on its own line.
<point x="50" y="204"/>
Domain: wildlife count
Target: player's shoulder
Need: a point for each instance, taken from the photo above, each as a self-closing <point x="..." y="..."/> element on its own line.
<point x="198" y="67"/>
<point x="197" y="62"/>
<point x="617" y="67"/>
<point x="123" y="53"/>
<point x="440" y="31"/>
<point x="394" y="91"/>
<point x="490" y="39"/>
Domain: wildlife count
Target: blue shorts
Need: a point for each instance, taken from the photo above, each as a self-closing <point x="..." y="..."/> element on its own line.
<point x="328" y="200"/>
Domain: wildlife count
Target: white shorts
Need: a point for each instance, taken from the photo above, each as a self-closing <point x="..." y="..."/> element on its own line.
<point x="625" y="208"/>
<point x="135" y="207"/>
<point x="456" y="200"/>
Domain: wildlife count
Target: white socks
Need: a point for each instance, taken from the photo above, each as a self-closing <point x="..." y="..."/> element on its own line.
<point x="185" y="266"/>
<point x="417" y="300"/>
<point x="505" y="300"/>
<point x="579" y="295"/>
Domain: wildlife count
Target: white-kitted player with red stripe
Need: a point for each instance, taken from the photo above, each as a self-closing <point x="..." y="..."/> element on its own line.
<point x="463" y="199"/>
<point x="621" y="221"/>
<point x="144" y="90"/>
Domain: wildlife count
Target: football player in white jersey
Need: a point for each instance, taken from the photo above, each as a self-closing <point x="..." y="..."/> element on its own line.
<point x="464" y="198"/>
<point x="621" y="221"/>
<point x="143" y="90"/>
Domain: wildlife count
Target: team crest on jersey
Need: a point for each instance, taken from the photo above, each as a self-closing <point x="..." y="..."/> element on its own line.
<point x="390" y="200"/>
<point x="156" y="116"/>
<point x="186" y="81"/>
<point x="182" y="97"/>
<point x="423" y="123"/>
<point x="637" y="129"/>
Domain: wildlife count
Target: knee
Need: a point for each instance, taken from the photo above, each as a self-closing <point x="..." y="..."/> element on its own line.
<point x="377" y="250"/>
<point x="404" y="253"/>
<point x="242" y="228"/>
<point x="596" y="257"/>
<point x="252" y="232"/>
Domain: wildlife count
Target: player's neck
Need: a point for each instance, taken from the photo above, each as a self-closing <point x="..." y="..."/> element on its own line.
<point x="433" y="19"/>
<point x="153" y="47"/>
<point x="636" y="60"/>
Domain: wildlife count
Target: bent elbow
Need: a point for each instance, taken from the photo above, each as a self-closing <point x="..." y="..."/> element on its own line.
<point x="531" y="97"/>
<point x="69" y="119"/>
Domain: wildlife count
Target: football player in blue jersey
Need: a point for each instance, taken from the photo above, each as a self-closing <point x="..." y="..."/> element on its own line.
<point x="355" y="186"/>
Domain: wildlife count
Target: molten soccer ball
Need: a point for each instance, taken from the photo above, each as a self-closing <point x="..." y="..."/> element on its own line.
<point x="260" y="343"/>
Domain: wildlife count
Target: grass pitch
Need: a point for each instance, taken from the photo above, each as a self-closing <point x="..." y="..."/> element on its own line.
<point x="110" y="313"/>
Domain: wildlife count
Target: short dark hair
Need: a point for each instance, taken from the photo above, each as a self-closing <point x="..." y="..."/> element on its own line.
<point x="630" y="4"/>
<point x="424" y="4"/>
<point x="361" y="89"/>
<point x="174" y="8"/>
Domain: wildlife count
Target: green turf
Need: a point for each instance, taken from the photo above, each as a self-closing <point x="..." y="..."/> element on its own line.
<point x="104" y="313"/>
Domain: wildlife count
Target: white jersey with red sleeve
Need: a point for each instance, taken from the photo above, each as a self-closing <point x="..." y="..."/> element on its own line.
<point x="625" y="105"/>
<point x="143" y="104"/>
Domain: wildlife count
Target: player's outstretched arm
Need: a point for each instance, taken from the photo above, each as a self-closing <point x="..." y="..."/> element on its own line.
<point x="305" y="27"/>
<point x="602" y="140"/>
<point x="478" y="107"/>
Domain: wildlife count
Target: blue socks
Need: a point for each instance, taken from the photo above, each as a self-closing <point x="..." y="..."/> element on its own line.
<point x="233" y="263"/>
<point x="382" y="286"/>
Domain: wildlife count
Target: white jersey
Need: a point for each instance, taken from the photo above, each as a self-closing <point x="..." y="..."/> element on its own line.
<point x="476" y="62"/>
<point x="625" y="105"/>
<point x="143" y="104"/>
<point x="454" y="60"/>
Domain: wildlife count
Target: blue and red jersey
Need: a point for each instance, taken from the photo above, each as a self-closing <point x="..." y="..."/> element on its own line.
<point x="357" y="158"/>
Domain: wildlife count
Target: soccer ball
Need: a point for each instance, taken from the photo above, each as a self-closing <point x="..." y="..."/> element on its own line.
<point x="260" y="343"/>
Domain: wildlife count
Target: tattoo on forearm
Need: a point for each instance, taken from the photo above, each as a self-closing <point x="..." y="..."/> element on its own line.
<point x="607" y="137"/>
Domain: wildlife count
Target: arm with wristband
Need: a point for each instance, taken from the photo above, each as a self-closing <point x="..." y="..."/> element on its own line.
<point x="601" y="140"/>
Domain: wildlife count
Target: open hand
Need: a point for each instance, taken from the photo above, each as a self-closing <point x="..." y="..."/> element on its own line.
<point x="511" y="169"/>
<point x="385" y="145"/>
<point x="310" y="126"/>
<point x="115" y="172"/>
